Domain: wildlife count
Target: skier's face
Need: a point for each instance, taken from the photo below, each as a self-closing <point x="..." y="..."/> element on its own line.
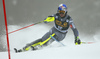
<point x="62" y="13"/>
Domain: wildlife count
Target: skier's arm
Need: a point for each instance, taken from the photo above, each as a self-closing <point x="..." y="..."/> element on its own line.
<point x="76" y="33"/>
<point x="72" y="26"/>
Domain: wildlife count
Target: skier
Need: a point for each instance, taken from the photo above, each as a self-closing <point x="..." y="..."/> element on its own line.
<point x="62" y="21"/>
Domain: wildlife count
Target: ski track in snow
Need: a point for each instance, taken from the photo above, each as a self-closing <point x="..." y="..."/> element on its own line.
<point x="54" y="51"/>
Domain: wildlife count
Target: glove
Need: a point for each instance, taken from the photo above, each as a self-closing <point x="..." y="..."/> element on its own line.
<point x="77" y="41"/>
<point x="45" y="21"/>
<point x="49" y="19"/>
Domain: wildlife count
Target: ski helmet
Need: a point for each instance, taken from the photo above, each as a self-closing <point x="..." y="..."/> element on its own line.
<point x="62" y="8"/>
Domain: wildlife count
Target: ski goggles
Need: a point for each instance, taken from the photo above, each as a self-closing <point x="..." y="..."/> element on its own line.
<point x="61" y="12"/>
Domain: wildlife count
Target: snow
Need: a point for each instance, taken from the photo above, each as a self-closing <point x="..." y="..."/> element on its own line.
<point x="54" y="51"/>
<point x="88" y="51"/>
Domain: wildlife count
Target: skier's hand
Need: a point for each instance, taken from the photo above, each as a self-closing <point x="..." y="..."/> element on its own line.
<point x="45" y="21"/>
<point x="49" y="19"/>
<point x="77" y="41"/>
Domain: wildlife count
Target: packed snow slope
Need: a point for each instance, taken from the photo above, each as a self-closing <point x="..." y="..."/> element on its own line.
<point x="87" y="51"/>
<point x="55" y="50"/>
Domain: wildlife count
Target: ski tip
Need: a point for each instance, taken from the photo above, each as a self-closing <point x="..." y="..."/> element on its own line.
<point x="15" y="50"/>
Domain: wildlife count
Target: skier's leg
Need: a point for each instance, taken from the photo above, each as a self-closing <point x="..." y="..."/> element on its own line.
<point x="32" y="44"/>
<point x="29" y="46"/>
<point x="60" y="36"/>
<point x="46" y="39"/>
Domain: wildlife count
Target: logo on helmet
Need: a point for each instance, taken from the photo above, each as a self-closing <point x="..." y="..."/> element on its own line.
<point x="62" y="7"/>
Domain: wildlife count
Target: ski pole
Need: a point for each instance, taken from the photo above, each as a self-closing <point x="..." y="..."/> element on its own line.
<point x="87" y="42"/>
<point x="57" y="40"/>
<point x="25" y="27"/>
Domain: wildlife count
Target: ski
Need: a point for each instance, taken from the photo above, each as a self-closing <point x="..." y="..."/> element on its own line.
<point x="16" y="51"/>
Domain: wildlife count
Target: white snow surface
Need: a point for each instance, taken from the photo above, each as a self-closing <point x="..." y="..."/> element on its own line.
<point x="54" y="51"/>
